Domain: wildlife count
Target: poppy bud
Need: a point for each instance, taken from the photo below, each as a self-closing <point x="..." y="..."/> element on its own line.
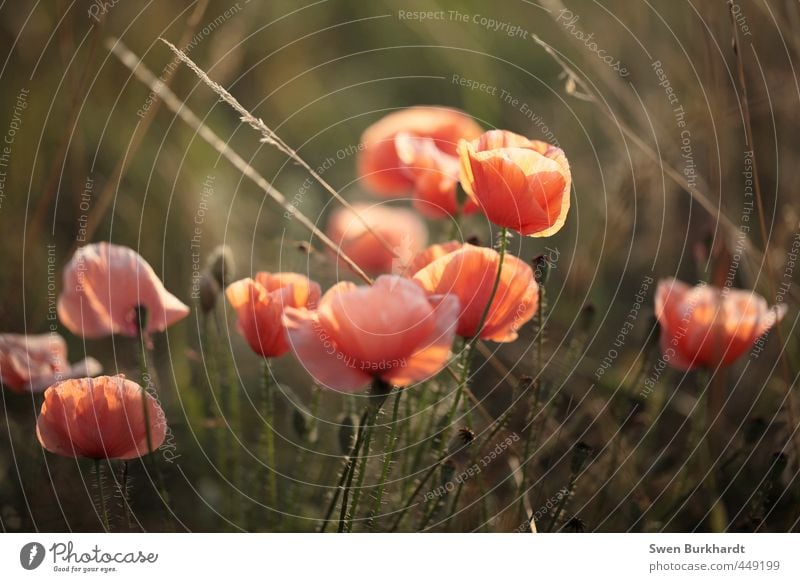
<point x="209" y="291"/>
<point x="222" y="265"/>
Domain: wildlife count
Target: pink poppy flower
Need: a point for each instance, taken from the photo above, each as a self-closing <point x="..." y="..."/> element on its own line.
<point x="705" y="326"/>
<point x="392" y="330"/>
<point x="402" y="230"/>
<point x="414" y="150"/>
<point x="259" y="305"/>
<point x="34" y="362"/>
<point x="99" y="418"/>
<point x="104" y="283"/>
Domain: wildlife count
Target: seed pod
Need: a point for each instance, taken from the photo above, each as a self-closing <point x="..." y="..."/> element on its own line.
<point x="574" y="525"/>
<point x="755" y="429"/>
<point x="457" y="447"/>
<point x="580" y="455"/>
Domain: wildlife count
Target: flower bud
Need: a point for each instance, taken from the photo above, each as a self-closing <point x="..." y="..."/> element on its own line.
<point x="209" y="291"/>
<point x="221" y="265"/>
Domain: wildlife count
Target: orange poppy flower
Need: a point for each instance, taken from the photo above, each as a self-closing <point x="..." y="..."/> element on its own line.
<point x="469" y="273"/>
<point x="414" y="150"/>
<point x="705" y="326"/>
<point x="518" y="183"/>
<point x="424" y="258"/>
<point x="403" y="231"/>
<point x="392" y="330"/>
<point x="259" y="305"/>
<point x="99" y="418"/>
<point x="32" y="363"/>
<point x="104" y="283"/>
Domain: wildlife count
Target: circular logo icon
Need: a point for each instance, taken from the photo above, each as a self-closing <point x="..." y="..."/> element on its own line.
<point x="31" y="555"/>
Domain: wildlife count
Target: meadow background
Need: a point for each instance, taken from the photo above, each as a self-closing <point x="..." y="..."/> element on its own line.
<point x="94" y="157"/>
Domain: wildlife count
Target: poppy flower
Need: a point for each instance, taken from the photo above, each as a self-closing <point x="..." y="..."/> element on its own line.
<point x="259" y="303"/>
<point x="392" y="330"/>
<point x="705" y="326"/>
<point x="414" y="150"/>
<point x="518" y="183"/>
<point x="402" y="230"/>
<point x="469" y="273"/>
<point x="424" y="258"/>
<point x="31" y="363"/>
<point x="104" y="284"/>
<point x="99" y="418"/>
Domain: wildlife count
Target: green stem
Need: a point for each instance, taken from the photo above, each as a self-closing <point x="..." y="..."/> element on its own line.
<point x="123" y="492"/>
<point x="144" y="373"/>
<point x="487" y="308"/>
<point x="537" y="391"/>
<point x="101" y="494"/>
<point x="148" y="384"/>
<point x="389" y="448"/>
<point x="361" y="470"/>
<point x="293" y="501"/>
<point x="380" y="391"/>
<point x="229" y="395"/>
<point x="268" y="415"/>
<point x="466" y="356"/>
<point x="347" y="461"/>
<point x="407" y="505"/>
